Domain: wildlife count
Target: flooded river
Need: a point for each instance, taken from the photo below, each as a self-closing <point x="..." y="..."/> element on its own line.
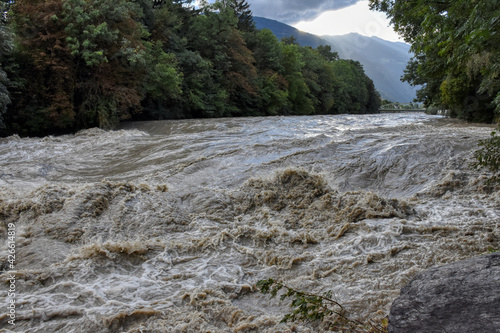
<point x="167" y="226"/>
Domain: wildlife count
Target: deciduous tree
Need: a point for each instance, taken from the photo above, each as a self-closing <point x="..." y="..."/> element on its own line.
<point x="457" y="52"/>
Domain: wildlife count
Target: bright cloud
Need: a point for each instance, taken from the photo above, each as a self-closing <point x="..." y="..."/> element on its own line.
<point x="356" y="18"/>
<point x="290" y="11"/>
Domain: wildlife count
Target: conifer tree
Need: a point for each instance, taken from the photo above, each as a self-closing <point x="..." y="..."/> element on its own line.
<point x="245" y="17"/>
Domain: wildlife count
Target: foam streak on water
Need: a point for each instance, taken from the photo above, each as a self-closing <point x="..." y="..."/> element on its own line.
<point x="167" y="226"/>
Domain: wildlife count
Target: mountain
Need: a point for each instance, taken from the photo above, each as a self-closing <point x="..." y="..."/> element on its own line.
<point x="281" y="30"/>
<point x="384" y="61"/>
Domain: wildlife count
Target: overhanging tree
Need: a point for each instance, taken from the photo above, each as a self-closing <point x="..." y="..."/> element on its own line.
<point x="457" y="52"/>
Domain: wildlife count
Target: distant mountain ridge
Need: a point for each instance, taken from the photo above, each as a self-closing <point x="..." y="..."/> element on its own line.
<point x="384" y="61"/>
<point x="281" y="30"/>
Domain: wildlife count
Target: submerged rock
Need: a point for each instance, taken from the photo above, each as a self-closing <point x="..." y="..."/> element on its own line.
<point x="460" y="297"/>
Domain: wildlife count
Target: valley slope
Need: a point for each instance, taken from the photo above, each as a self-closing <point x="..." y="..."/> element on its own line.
<point x="384" y="61"/>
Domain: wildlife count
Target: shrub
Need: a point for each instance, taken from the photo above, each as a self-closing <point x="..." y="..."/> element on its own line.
<point x="309" y="307"/>
<point x="488" y="156"/>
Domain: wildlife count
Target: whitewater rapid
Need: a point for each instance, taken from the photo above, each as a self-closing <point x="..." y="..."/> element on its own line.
<point x="167" y="226"/>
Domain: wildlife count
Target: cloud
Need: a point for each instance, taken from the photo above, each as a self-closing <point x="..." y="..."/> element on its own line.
<point x="357" y="18"/>
<point x="326" y="17"/>
<point x="292" y="11"/>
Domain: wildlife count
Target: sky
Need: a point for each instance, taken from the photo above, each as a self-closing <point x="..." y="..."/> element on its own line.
<point x="326" y="17"/>
<point x="354" y="18"/>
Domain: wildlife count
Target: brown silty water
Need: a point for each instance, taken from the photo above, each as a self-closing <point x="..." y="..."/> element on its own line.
<point x="167" y="226"/>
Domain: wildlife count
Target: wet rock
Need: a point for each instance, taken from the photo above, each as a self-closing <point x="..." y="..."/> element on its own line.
<point x="460" y="297"/>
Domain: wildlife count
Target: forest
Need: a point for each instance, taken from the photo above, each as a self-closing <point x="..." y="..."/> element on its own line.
<point x="456" y="46"/>
<point x="67" y="65"/>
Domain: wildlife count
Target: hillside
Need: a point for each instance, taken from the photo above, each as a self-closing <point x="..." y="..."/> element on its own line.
<point x="281" y="30"/>
<point x="384" y="62"/>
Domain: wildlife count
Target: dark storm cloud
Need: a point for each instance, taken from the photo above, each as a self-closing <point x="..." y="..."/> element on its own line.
<point x="291" y="11"/>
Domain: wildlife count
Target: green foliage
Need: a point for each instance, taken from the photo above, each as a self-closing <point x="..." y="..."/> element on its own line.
<point x="457" y="53"/>
<point x="298" y="91"/>
<point x="82" y="63"/>
<point x="162" y="81"/>
<point x="4" y="96"/>
<point x="355" y="92"/>
<point x="242" y="11"/>
<point x="307" y="307"/>
<point x="326" y="52"/>
<point x="5" y="47"/>
<point x="488" y="156"/>
<point x="273" y="94"/>
<point x="268" y="51"/>
<point x="105" y="40"/>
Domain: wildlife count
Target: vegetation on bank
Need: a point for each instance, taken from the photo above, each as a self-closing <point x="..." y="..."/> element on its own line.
<point x="457" y="61"/>
<point x="308" y="307"/>
<point x="488" y="156"/>
<point x="388" y="105"/>
<point x="456" y="48"/>
<point x="66" y="65"/>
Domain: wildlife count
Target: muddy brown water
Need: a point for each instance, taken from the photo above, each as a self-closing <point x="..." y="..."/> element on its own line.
<point x="167" y="226"/>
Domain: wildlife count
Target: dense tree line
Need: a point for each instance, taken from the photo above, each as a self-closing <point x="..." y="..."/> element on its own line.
<point x="457" y="53"/>
<point x="72" y="64"/>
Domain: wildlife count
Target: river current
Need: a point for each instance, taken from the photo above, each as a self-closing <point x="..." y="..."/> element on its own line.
<point x="167" y="226"/>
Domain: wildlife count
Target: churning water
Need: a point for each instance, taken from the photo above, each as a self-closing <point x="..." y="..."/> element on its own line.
<point x="167" y="226"/>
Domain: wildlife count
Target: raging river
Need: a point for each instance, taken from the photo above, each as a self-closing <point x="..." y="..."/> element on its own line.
<point x="167" y="226"/>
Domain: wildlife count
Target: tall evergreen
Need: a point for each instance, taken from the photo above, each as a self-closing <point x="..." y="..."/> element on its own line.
<point x="243" y="13"/>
